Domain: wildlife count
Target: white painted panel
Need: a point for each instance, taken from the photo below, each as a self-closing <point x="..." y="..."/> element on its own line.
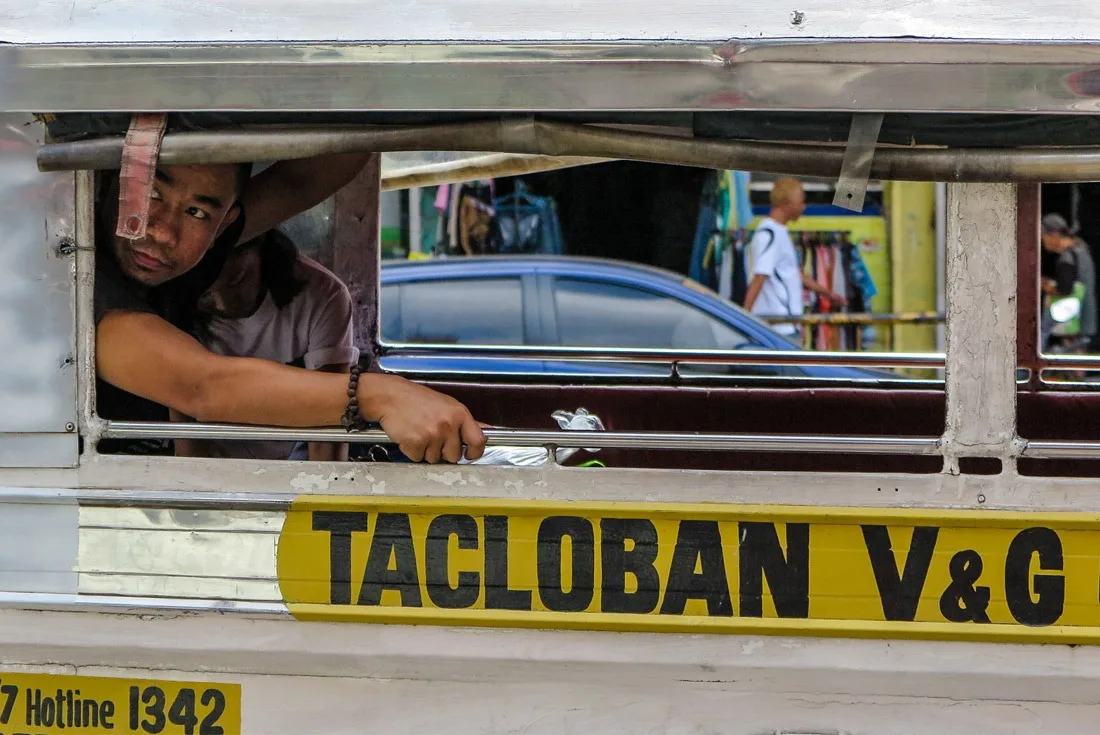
<point x="178" y="553"/>
<point x="313" y="678"/>
<point x="67" y="21"/>
<point x="981" y="324"/>
<point x="38" y="547"/>
<point x="178" y="519"/>
<point x="205" y="588"/>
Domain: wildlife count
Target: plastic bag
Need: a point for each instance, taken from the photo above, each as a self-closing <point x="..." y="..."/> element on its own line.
<point x="579" y="420"/>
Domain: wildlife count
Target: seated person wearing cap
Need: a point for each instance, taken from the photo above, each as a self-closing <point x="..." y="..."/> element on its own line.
<point x="273" y="303"/>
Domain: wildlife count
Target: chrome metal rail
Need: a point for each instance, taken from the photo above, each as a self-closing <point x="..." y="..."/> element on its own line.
<point x="551" y="439"/>
<point x="620" y="354"/>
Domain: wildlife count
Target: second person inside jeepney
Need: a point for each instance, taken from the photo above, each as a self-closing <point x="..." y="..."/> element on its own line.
<point x="146" y="297"/>
<point x="274" y="303"/>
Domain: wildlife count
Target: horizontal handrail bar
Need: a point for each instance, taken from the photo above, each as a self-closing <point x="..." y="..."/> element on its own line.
<point x="655" y="440"/>
<point x="1075" y="362"/>
<point x="732" y="357"/>
<point x="1061" y="450"/>
<point x="548" y="439"/>
<point x="923" y="317"/>
<point x="533" y="136"/>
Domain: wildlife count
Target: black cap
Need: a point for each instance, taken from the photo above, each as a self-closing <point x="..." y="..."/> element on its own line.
<point x="1055" y="224"/>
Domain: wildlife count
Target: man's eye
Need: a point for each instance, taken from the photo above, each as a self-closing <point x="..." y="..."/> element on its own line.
<point x="198" y="213"/>
<point x="155" y="195"/>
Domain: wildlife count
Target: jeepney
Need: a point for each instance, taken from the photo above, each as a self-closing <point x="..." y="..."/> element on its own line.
<point x="910" y="558"/>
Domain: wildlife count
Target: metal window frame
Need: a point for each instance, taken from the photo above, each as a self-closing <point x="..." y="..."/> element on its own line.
<point x="94" y="427"/>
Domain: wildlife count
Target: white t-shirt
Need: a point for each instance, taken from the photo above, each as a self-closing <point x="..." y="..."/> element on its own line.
<point x="312" y="331"/>
<point x="774" y="256"/>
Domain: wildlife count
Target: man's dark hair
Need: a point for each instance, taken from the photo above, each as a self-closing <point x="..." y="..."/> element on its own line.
<point x="279" y="267"/>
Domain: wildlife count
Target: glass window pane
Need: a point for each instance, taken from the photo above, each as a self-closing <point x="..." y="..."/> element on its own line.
<point x="597" y="314"/>
<point x="487" y="311"/>
<point x="390" y="314"/>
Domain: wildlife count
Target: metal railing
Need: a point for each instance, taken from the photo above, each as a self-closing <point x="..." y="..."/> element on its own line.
<point x="620" y="354"/>
<point x="861" y="318"/>
<point x="656" y="440"/>
<point x="551" y="440"/>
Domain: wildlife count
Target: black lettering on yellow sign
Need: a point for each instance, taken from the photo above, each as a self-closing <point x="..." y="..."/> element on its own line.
<point x="498" y="595"/>
<point x="788" y="577"/>
<point x="638" y="563"/>
<point x="552" y="533"/>
<point x="1049" y="589"/>
<point x="698" y="546"/>
<point x="679" y="565"/>
<point x="900" y="593"/>
<point x="392" y="540"/>
<point x="47" y="704"/>
<point x="437" y="561"/>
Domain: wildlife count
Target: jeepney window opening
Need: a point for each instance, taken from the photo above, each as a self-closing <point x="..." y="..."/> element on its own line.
<point x="670" y="441"/>
<point x="665" y="441"/>
<point x="1063" y="273"/>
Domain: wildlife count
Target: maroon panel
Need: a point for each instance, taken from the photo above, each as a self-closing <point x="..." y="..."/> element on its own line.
<point x="1027" y="280"/>
<point x="731" y="410"/>
<point x="1057" y="416"/>
<point x="1044" y="415"/>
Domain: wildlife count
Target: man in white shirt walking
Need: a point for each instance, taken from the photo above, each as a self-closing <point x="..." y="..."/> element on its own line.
<point x="777" y="276"/>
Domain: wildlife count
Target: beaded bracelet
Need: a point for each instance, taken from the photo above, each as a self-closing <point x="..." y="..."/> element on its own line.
<point x="352" y="420"/>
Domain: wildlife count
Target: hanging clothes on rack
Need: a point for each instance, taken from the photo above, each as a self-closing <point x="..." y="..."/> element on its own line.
<point x="466" y="221"/>
<point x="528" y="224"/>
<point x="719" y="251"/>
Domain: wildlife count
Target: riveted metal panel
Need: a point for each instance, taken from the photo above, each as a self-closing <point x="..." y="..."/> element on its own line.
<point x="37" y="367"/>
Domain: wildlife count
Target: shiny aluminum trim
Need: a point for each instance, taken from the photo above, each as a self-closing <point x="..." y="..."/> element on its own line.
<point x="149" y="499"/>
<point x="1070" y="362"/>
<point x="727" y="357"/>
<point x="1061" y="450"/>
<point x="859" y="75"/>
<point x="137" y="605"/>
<point x="552" y="439"/>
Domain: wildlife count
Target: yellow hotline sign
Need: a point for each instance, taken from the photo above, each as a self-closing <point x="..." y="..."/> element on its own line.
<point x="708" y="568"/>
<point x="48" y="704"/>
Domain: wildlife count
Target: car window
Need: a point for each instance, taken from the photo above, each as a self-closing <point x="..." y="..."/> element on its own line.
<point x="599" y="314"/>
<point x="464" y="311"/>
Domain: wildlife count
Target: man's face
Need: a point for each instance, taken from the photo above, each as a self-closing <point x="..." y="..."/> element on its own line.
<point x="236" y="293"/>
<point x="190" y="207"/>
<point x="1052" y="241"/>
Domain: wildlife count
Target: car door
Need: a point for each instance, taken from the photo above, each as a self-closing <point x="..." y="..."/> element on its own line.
<point x="588" y="311"/>
<point x="430" y="308"/>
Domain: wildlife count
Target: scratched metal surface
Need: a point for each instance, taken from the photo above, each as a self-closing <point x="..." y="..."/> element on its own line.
<point x="182" y="554"/>
<point x="37" y="372"/>
<point x="1022" y="73"/>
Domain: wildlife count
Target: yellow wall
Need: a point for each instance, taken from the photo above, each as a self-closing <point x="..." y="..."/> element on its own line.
<point x="911" y="218"/>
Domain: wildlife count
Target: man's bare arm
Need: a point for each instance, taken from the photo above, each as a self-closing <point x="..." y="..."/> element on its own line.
<point x="329" y="451"/>
<point x="288" y="188"/>
<point x="754" y="290"/>
<point x="145" y="355"/>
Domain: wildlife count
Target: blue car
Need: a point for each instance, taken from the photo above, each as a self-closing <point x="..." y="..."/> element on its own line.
<point x="569" y="301"/>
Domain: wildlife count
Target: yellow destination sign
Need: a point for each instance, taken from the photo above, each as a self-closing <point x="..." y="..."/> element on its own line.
<point x="695" y="568"/>
<point x="46" y="704"/>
